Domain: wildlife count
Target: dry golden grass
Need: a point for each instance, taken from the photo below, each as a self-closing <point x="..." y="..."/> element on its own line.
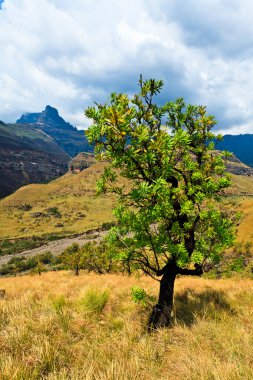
<point x="245" y="231"/>
<point x="47" y="333"/>
<point x="241" y="185"/>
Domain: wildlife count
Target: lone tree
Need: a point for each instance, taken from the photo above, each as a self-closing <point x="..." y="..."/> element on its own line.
<point x="169" y="218"/>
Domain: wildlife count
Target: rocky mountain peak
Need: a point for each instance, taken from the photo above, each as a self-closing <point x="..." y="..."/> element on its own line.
<point x="50" y="116"/>
<point x="68" y="138"/>
<point x="50" y="112"/>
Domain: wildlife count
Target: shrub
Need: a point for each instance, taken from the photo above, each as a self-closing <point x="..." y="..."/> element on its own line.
<point x="53" y="211"/>
<point x="94" y="301"/>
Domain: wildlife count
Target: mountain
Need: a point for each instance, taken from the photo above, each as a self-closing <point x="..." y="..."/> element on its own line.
<point x="240" y="145"/>
<point x="69" y="138"/>
<point x="28" y="155"/>
<point x="36" y="149"/>
<point x="235" y="166"/>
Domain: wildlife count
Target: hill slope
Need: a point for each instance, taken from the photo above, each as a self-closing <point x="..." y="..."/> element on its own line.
<point x="66" y="205"/>
<point x="69" y="205"/>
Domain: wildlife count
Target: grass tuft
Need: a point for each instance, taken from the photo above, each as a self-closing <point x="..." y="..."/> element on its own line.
<point x="94" y="301"/>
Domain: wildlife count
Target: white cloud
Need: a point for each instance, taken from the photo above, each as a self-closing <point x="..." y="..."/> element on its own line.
<point x="68" y="54"/>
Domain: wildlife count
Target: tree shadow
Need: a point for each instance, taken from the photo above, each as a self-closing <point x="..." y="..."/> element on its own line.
<point x="209" y="304"/>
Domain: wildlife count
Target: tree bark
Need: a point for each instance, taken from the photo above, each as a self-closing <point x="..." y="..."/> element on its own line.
<point x="162" y="311"/>
<point x="161" y="315"/>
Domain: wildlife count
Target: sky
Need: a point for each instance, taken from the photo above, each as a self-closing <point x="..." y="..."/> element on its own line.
<point x="69" y="54"/>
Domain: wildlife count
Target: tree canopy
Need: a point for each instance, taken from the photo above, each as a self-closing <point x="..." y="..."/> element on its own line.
<point x="169" y="218"/>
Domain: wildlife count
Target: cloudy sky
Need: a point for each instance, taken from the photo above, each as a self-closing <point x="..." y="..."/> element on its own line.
<point x="70" y="53"/>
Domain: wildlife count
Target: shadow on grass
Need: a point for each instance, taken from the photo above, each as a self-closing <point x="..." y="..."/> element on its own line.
<point x="209" y="304"/>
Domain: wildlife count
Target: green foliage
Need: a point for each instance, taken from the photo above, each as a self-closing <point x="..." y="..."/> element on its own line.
<point x="94" y="301"/>
<point x="72" y="258"/>
<point x="92" y="256"/>
<point x="238" y="264"/>
<point x="9" y="247"/>
<point x="171" y="211"/>
<point x="99" y="258"/>
<point x="35" y="264"/>
<point x="140" y="296"/>
<point x="46" y="257"/>
<point x="13" y="246"/>
<point x="53" y="211"/>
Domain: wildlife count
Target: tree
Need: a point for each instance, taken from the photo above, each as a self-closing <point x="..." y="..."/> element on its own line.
<point x="169" y="219"/>
<point x="96" y="257"/>
<point x="72" y="258"/>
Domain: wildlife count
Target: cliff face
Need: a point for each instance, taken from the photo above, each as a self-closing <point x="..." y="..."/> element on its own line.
<point x="28" y="156"/>
<point x="235" y="166"/>
<point x="81" y="161"/>
<point x="70" y="139"/>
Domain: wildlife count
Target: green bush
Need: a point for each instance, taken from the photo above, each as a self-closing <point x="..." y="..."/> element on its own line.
<point x="45" y="257"/>
<point x="238" y="264"/>
<point x="53" y="211"/>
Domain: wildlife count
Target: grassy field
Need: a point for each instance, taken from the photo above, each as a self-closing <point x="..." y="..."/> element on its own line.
<point x="59" y="326"/>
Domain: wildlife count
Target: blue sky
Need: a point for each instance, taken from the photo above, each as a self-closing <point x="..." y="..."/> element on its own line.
<point x="71" y="53"/>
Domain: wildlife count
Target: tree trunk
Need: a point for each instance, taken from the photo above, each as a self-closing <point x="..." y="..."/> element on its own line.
<point x="162" y="311"/>
<point x="161" y="315"/>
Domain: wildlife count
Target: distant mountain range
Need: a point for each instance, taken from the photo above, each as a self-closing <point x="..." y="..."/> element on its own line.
<point x="240" y="145"/>
<point x="37" y="149"/>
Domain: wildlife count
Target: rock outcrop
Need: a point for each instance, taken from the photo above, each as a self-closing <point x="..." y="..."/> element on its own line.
<point x="81" y="162"/>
